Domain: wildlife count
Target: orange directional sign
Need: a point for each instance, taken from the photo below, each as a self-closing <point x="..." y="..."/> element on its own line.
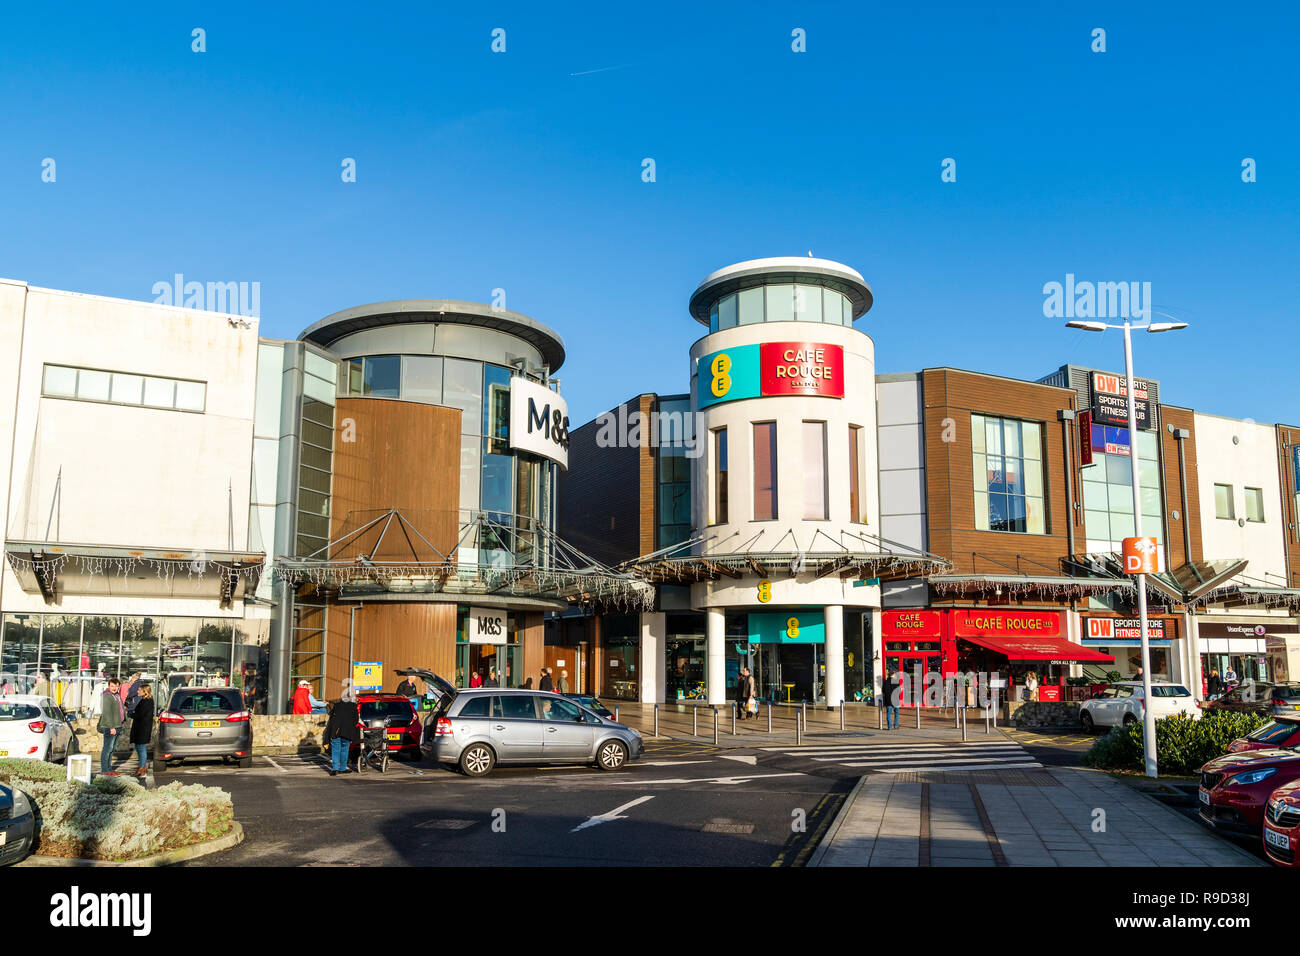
<point x="1141" y="556"/>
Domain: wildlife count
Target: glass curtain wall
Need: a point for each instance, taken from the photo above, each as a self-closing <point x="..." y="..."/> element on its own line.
<point x="1108" y="488"/>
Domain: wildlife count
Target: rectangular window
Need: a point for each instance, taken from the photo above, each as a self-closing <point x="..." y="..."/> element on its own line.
<point x="1254" y="504"/>
<point x="1008" y="475"/>
<point x="127" y="389"/>
<point x="1223" y="502"/>
<point x="855" y="495"/>
<point x="121" y="388"/>
<point x="382" y="376"/>
<point x="814" y="471"/>
<point x="765" y="489"/>
<point x="720" y="476"/>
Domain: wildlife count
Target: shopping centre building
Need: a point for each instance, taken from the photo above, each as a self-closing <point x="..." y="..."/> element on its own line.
<point x="400" y="486"/>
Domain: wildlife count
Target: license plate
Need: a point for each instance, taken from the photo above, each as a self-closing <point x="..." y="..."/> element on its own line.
<point x="3" y="836"/>
<point x="1205" y="797"/>
<point x="4" y="753"/>
<point x="1279" y="840"/>
<point x="205" y="723"/>
<point x="394" y="736"/>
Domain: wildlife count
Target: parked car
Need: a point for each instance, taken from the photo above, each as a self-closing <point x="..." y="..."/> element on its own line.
<point x="398" y="713"/>
<point x="1282" y="824"/>
<point x="476" y="729"/>
<point x="1122" y="703"/>
<point x="1235" y="787"/>
<point x="592" y="704"/>
<point x="1278" y="732"/>
<point x="1258" y="697"/>
<point x="35" y="728"/>
<point x="203" y="722"/>
<point x="17" y="825"/>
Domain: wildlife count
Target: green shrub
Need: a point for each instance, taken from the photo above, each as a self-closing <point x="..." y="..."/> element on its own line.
<point x="115" y="818"/>
<point x="1183" y="744"/>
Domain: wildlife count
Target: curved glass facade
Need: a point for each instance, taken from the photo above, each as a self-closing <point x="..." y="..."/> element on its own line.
<point x="493" y="477"/>
<point x="782" y="302"/>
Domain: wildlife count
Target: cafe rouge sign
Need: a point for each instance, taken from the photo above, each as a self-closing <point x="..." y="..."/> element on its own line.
<point x="767" y="369"/>
<point x="982" y="623"/>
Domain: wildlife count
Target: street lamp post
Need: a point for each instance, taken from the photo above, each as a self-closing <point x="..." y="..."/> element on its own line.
<point x="1148" y="713"/>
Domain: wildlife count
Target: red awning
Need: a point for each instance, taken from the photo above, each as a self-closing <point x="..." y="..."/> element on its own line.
<point x="1042" y="649"/>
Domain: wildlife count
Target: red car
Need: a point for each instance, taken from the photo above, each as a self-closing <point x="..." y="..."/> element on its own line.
<point x="1278" y="732"/>
<point x="1235" y="787"/>
<point x="1282" y="825"/>
<point x="404" y="726"/>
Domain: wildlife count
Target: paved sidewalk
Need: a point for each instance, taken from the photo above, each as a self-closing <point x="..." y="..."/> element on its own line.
<point x="690" y="721"/>
<point x="890" y="823"/>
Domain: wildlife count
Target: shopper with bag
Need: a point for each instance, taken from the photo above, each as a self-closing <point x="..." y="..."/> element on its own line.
<point x="745" y="695"/>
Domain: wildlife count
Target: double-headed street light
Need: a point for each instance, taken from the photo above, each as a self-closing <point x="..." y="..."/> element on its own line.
<point x="1148" y="714"/>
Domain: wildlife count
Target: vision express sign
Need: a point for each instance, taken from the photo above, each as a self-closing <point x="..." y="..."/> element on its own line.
<point x="770" y="368"/>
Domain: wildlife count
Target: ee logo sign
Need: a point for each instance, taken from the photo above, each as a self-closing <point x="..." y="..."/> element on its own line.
<point x="764" y="591"/>
<point x="721" y="383"/>
<point x="792" y="628"/>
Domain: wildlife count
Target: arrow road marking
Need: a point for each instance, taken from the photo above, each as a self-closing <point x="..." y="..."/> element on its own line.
<point x="723" y="780"/>
<point x="612" y="815"/>
<point x="752" y="761"/>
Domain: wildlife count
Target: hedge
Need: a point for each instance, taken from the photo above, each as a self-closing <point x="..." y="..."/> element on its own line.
<point x="1183" y="744"/>
<point x="115" y="818"/>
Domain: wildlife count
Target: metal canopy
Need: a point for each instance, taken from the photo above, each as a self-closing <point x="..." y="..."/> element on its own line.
<point x="55" y="569"/>
<point x="523" y="561"/>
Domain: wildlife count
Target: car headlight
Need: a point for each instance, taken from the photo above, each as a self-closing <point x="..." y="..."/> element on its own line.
<point x="1253" y="776"/>
<point x="22" y="806"/>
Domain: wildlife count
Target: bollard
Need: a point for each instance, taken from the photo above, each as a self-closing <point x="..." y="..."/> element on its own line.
<point x="803" y="715"/>
<point x="880" y="715"/>
<point x="734" y="711"/>
<point x="918" y="715"/>
<point x="695" y="721"/>
<point x="963" y="723"/>
<point x="656" y="720"/>
<point x="841" y="715"/>
<point x="798" y="735"/>
<point x="769" y="716"/>
<point x="715" y="726"/>
<point x="986" y="720"/>
<point x="616" y="713"/>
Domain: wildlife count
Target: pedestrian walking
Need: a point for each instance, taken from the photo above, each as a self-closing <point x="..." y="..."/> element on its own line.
<point x="1215" y="683"/>
<point x="891" y="691"/>
<point x="564" y="682"/>
<point x="745" y="693"/>
<point x="342" y="731"/>
<point x="545" y="683"/>
<point x="142" y="729"/>
<point x="130" y="693"/>
<point x="111" y="715"/>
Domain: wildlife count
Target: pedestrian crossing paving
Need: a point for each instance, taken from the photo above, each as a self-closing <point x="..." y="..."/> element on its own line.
<point x="914" y="757"/>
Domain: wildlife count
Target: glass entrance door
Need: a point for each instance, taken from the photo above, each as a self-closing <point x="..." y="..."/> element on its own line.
<point x="908" y="662"/>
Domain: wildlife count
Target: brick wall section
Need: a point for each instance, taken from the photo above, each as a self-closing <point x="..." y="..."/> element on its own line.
<point x="950" y="498"/>
<point x="1288" y="435"/>
<point x="1180" y="418"/>
<point x="599" y="496"/>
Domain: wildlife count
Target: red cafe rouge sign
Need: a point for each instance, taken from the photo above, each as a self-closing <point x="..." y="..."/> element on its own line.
<point x="910" y="624"/>
<point x="981" y="623"/>
<point x="801" y="368"/>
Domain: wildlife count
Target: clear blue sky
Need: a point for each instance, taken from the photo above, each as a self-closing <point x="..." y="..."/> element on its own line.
<point x="479" y="170"/>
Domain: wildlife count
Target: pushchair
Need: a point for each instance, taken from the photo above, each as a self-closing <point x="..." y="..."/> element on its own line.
<point x="374" y="746"/>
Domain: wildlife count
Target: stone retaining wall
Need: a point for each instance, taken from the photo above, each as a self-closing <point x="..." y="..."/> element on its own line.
<point x="1037" y="713"/>
<point x="272" y="734"/>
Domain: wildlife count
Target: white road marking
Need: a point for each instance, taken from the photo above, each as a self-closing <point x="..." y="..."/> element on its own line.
<point x="675" y="763"/>
<point x="276" y="765"/>
<point x="729" y="781"/>
<point x="612" y="815"/>
<point x="751" y="760"/>
<point x="938" y="761"/>
<point x="927" y="755"/>
<point x="980" y="766"/>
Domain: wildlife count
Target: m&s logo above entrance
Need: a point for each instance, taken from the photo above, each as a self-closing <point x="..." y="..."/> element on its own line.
<point x="769" y="369"/>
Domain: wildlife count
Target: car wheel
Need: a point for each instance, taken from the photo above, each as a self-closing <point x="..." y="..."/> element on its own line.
<point x="477" y="760"/>
<point x="612" y="755"/>
<point x="159" y="766"/>
<point x="245" y="763"/>
<point x="1129" y="720"/>
<point x="1088" y="726"/>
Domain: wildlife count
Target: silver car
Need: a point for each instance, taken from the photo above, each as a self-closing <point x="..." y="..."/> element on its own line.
<point x="478" y="728"/>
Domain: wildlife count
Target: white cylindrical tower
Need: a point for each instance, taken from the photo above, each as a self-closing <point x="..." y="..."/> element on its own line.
<point x="786" y="498"/>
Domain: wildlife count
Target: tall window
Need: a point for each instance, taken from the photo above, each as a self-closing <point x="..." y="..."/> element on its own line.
<point x="1008" y="474"/>
<point x="855" y="495"/>
<point x="814" y="471"/>
<point x="1254" y="504"/>
<point x="1223" y="502"/>
<point x="1108" y="486"/>
<point x="720" y="476"/>
<point x="765" y="471"/>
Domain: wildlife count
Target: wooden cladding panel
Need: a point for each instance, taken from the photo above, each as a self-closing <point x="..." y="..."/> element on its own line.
<point x="394" y="454"/>
<point x="1180" y="418"/>
<point x="398" y="634"/>
<point x="647" y="482"/>
<point x="951" y="396"/>
<point x="532" y="637"/>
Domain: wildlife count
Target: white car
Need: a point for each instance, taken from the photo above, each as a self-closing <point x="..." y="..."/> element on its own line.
<point x="34" y="728"/>
<point x="1122" y="704"/>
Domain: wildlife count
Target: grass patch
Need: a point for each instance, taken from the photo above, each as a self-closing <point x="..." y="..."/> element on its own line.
<point x="115" y="818"/>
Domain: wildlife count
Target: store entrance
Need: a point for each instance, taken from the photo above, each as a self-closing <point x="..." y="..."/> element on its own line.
<point x="684" y="678"/>
<point x="908" y="664"/>
<point x="789" y="673"/>
<point x="479" y="663"/>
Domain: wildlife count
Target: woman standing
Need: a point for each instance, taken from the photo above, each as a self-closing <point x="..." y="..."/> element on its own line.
<point x="142" y="729"/>
<point x="342" y="731"/>
<point x="1031" y="685"/>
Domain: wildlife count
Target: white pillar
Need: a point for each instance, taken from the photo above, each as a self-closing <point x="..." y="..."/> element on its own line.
<point x="715" y="668"/>
<point x="834" y="655"/>
<point x="654" y="629"/>
<point x="1192" y="638"/>
<point x="877" y="654"/>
